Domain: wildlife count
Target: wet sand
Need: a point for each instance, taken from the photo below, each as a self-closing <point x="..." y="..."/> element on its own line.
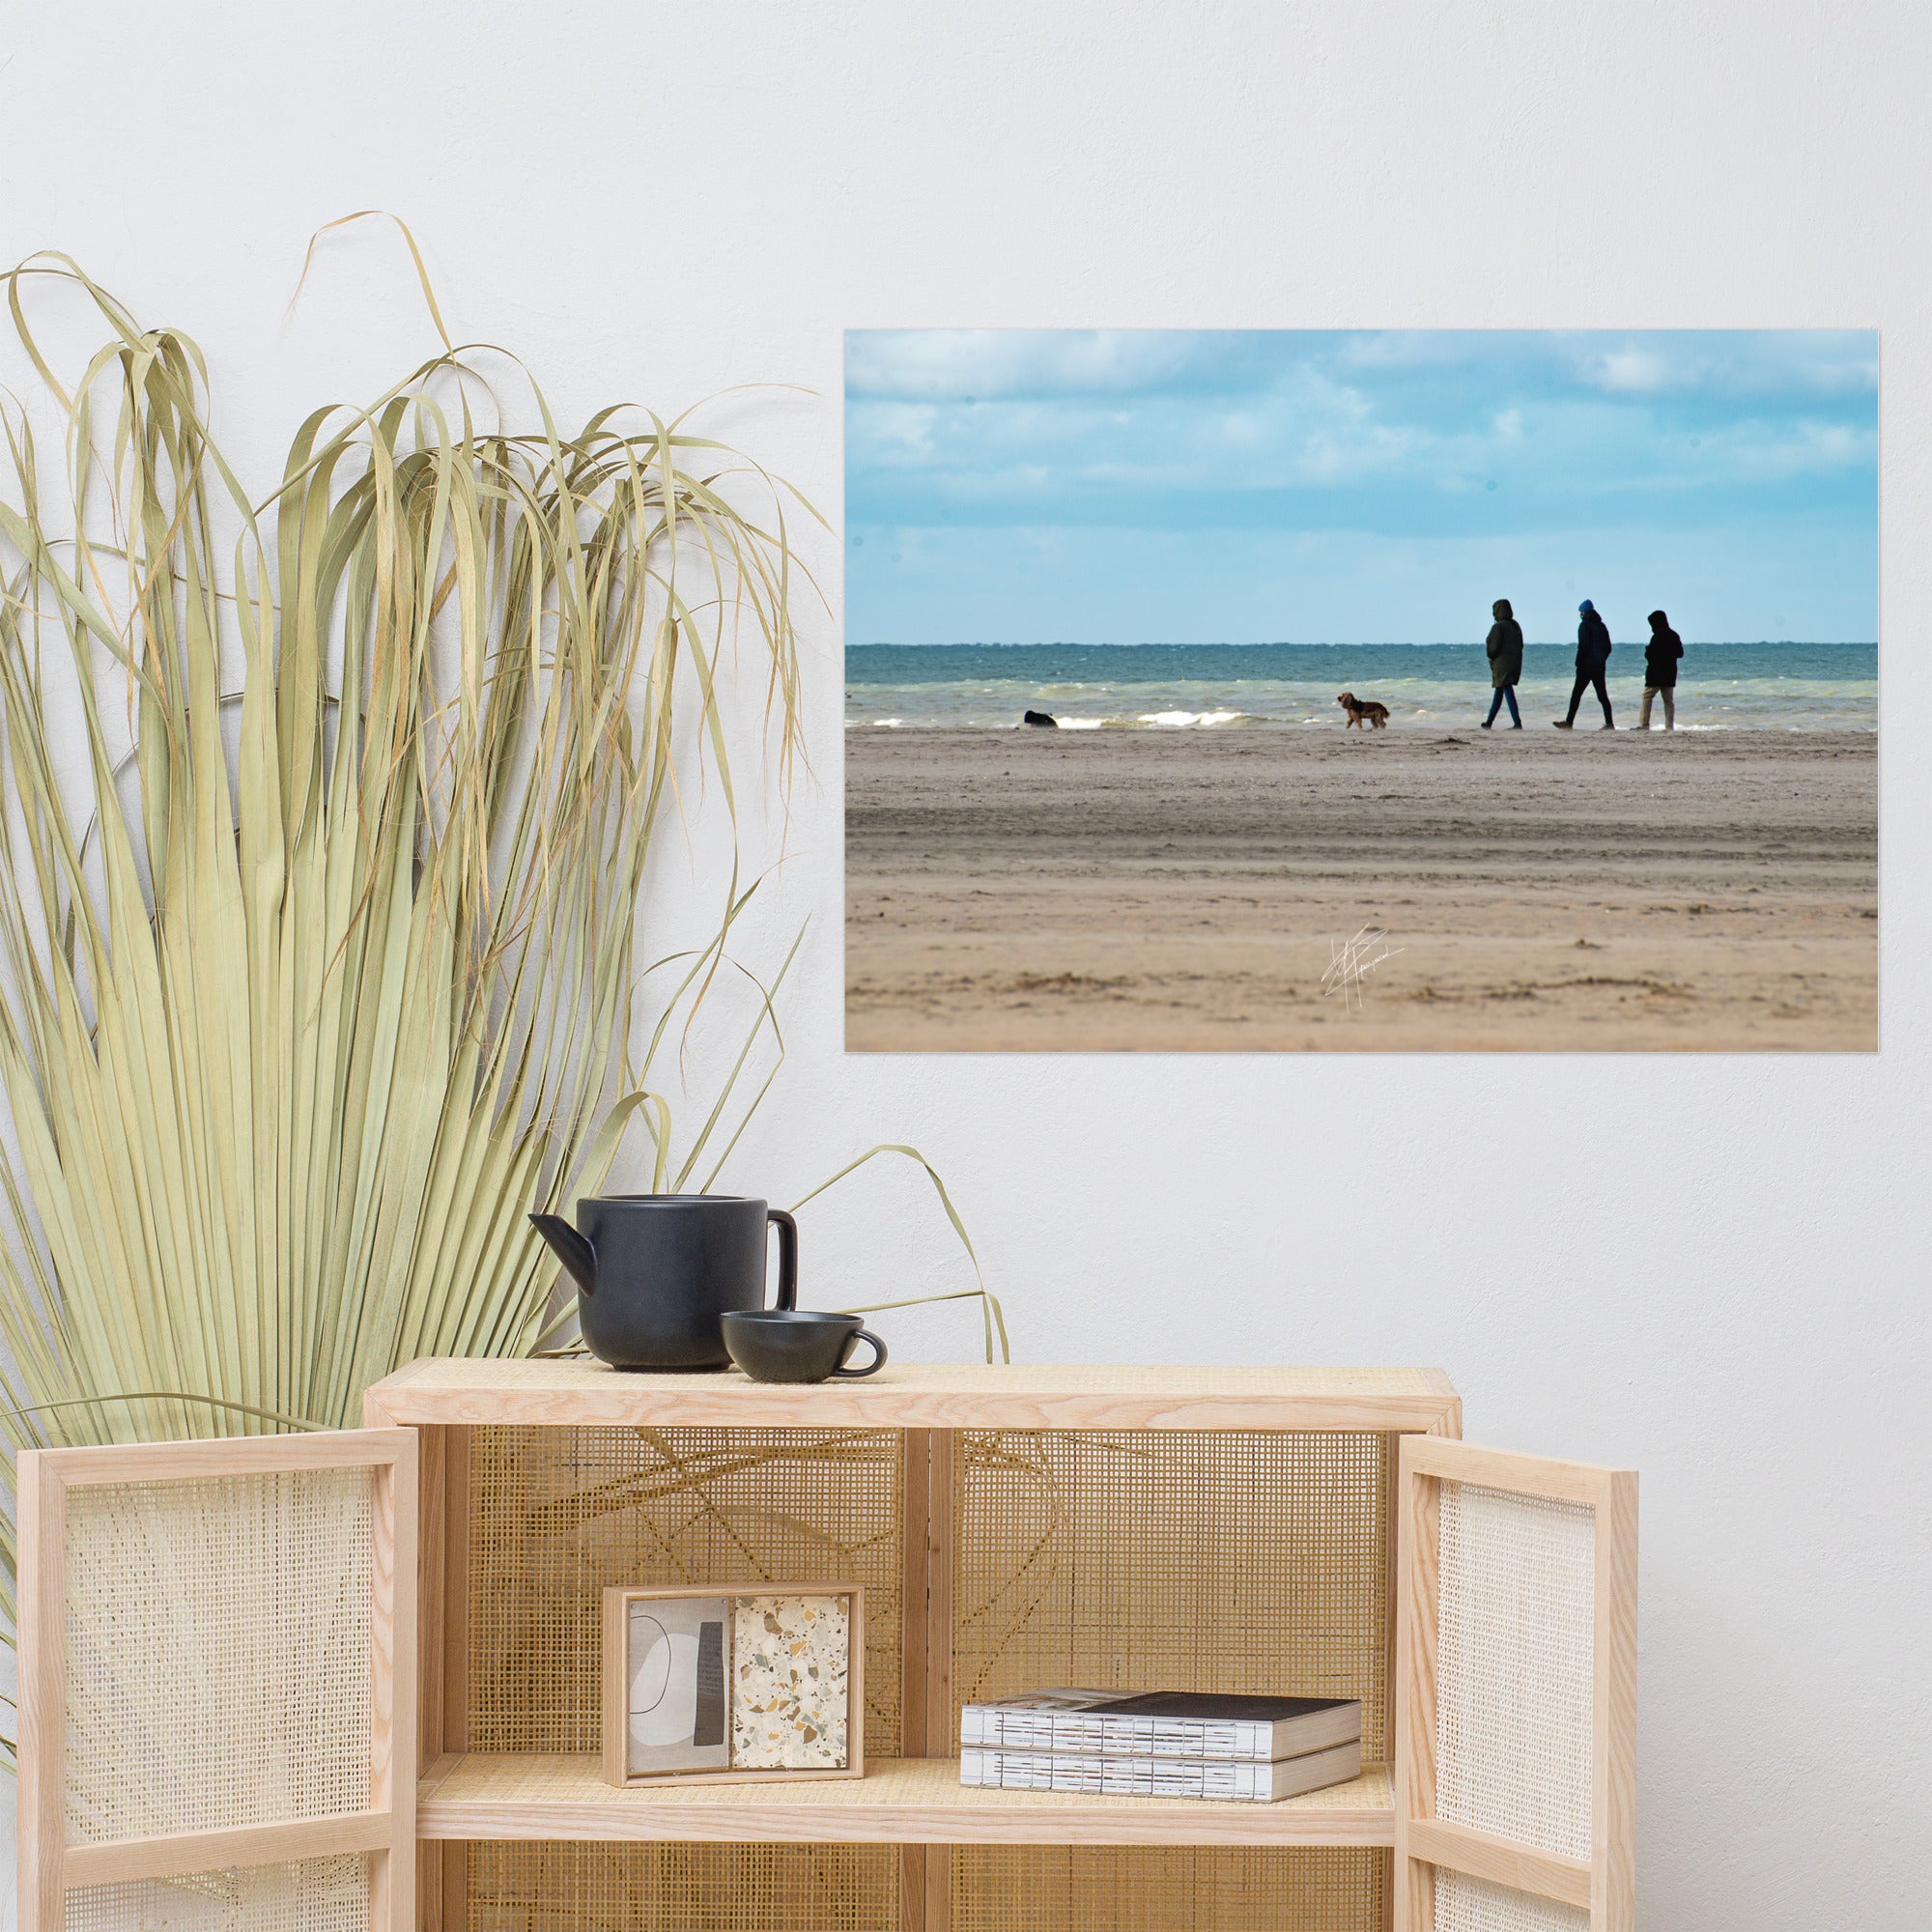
<point x="1040" y="891"/>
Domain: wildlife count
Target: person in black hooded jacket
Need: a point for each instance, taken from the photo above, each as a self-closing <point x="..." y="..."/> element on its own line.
<point x="1504" y="649"/>
<point x="1660" y="670"/>
<point x="1593" y="653"/>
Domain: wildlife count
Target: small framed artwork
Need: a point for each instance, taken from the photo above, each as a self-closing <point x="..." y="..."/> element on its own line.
<point x="752" y="1685"/>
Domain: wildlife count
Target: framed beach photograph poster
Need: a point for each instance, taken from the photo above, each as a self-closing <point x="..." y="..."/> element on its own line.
<point x="1361" y="689"/>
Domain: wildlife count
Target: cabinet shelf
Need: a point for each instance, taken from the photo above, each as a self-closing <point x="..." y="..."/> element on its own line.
<point x="899" y="1802"/>
<point x="918" y="1395"/>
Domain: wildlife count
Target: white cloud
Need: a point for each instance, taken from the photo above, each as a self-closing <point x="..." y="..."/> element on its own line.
<point x="1756" y="453"/>
<point x="1766" y="363"/>
<point x="1631" y="372"/>
<point x="904" y="426"/>
<point x="953" y="364"/>
<point x="1100" y="423"/>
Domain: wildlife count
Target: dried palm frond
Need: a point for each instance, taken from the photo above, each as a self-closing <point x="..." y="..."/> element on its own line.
<point x="319" y="971"/>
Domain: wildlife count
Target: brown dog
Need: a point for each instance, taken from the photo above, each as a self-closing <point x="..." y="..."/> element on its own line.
<point x="1358" y="709"/>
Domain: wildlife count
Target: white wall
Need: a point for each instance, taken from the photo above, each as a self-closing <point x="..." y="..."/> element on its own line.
<point x="1714" y="1269"/>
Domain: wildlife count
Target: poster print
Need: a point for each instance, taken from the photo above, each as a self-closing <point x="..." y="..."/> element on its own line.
<point x="1361" y="690"/>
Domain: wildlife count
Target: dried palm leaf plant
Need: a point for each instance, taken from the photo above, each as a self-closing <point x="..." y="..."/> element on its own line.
<point x="319" y="963"/>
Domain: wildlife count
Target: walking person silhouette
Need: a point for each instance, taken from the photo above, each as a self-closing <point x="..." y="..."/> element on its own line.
<point x="1659" y="671"/>
<point x="1593" y="653"/>
<point x="1504" y="649"/>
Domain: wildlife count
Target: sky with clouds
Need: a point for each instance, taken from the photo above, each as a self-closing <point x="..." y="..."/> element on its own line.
<point x="1171" y="485"/>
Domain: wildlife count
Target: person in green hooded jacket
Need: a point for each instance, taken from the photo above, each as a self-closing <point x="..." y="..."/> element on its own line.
<point x="1504" y="647"/>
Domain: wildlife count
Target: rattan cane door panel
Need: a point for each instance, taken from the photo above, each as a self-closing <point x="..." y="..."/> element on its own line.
<point x="310" y="1896"/>
<point x="205" y="1691"/>
<point x="1466" y="1904"/>
<point x="1514" y="1666"/>
<point x="1212" y="1560"/>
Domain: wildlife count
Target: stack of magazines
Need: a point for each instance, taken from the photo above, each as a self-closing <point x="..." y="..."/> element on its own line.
<point x="1163" y="1744"/>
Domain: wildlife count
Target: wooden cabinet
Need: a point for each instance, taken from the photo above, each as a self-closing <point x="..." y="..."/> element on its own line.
<point x="1316" y="1530"/>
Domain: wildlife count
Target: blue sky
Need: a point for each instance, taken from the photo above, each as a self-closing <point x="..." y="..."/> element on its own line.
<point x="1140" y="486"/>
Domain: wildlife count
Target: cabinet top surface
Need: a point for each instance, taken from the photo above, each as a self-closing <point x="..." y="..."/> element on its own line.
<point x="921" y="1395"/>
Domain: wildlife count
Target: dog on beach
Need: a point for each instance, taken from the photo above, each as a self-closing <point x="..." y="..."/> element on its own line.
<point x="1359" y="709"/>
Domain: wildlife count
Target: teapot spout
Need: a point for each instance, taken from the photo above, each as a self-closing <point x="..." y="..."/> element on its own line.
<point x="570" y="1248"/>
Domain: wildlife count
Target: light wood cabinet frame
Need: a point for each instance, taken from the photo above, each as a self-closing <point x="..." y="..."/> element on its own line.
<point x="384" y="1829"/>
<point x="1604" y="1885"/>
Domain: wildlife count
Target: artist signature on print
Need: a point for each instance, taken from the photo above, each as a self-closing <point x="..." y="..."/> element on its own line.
<point x="1351" y="961"/>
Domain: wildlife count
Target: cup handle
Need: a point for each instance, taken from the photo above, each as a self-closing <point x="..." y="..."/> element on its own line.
<point x="788" y="1257"/>
<point x="872" y="1367"/>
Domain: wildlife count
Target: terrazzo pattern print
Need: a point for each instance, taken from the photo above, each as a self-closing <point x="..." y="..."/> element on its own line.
<point x="790" y="1659"/>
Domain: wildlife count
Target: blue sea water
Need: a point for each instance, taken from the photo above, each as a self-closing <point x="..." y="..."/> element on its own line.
<point x="1763" y="686"/>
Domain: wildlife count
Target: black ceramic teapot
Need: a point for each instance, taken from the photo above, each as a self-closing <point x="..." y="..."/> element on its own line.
<point x="654" y="1272"/>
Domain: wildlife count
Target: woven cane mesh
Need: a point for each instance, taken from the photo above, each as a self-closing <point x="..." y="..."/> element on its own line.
<point x="313" y="1895"/>
<point x="1108" y="1889"/>
<point x="1473" y="1905"/>
<point x="558" y="1514"/>
<point x="217" y="1652"/>
<point x="1513" y="1668"/>
<point x="537" y="1887"/>
<point x="1249" y="1561"/>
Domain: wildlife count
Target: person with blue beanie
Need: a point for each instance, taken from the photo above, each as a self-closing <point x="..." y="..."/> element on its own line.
<point x="1593" y="654"/>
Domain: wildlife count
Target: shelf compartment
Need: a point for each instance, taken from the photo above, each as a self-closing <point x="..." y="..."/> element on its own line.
<point x="899" y="1802"/>
<point x="1202" y="1560"/>
<point x="557" y="1516"/>
<point x="1163" y="1888"/>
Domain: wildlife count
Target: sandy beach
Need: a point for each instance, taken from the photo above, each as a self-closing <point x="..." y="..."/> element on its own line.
<point x="1154" y="891"/>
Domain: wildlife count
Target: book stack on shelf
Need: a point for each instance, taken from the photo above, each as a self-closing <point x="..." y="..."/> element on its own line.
<point x="1162" y="1744"/>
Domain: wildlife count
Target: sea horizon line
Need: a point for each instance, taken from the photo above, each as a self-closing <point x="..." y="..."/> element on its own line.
<point x="1334" y="643"/>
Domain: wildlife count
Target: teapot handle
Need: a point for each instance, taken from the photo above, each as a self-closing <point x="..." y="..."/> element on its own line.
<point x="788" y="1257"/>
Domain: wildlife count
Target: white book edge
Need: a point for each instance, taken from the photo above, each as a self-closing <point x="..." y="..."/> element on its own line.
<point x="1223" y="1780"/>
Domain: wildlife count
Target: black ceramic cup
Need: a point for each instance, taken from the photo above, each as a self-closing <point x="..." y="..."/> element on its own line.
<point x="791" y="1345"/>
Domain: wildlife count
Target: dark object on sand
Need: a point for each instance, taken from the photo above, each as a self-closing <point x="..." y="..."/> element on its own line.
<point x="1360" y="708"/>
<point x="1045" y="718"/>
